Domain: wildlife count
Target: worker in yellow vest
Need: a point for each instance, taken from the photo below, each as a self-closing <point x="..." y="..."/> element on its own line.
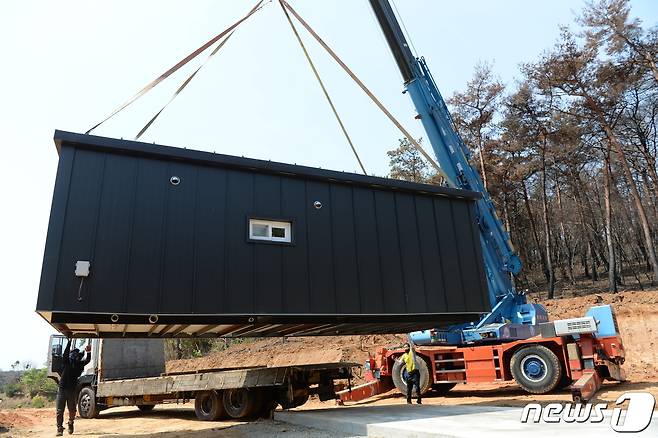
<point x="413" y="374"/>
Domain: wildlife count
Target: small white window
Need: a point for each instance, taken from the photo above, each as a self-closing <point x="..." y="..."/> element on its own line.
<point x="273" y="231"/>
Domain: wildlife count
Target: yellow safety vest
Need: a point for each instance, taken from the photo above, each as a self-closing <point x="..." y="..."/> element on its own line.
<point x="408" y="359"/>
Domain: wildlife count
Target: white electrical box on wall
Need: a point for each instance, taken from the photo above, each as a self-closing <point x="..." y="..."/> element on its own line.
<point x="82" y="268"/>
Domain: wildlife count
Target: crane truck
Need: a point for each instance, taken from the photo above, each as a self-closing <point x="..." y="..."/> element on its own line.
<point x="515" y="340"/>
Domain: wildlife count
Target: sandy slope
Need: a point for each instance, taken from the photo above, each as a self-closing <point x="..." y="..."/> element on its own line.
<point x="637" y="316"/>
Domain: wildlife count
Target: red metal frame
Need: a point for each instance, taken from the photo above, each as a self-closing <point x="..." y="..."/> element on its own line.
<point x="583" y="360"/>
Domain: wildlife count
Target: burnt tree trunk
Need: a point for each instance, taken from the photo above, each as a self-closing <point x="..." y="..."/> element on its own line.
<point x="637" y="200"/>
<point x="565" y="238"/>
<point x="547" y="227"/>
<point x="533" y="227"/>
<point x="612" y="281"/>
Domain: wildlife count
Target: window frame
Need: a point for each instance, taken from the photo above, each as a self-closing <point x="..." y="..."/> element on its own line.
<point x="287" y="224"/>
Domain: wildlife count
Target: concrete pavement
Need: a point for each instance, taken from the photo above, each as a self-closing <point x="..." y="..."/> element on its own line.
<point x="398" y="421"/>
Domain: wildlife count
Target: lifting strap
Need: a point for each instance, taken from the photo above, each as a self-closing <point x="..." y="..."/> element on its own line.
<point x="366" y="90"/>
<point x="183" y="85"/>
<point x="324" y="89"/>
<point x="178" y="65"/>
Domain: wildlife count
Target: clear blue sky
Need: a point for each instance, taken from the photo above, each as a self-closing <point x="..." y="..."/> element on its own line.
<point x="66" y="64"/>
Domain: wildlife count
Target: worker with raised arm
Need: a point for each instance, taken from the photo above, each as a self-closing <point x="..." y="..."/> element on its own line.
<point x="73" y="365"/>
<point x="413" y="374"/>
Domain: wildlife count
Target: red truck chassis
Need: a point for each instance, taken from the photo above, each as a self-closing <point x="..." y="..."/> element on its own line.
<point x="585" y="362"/>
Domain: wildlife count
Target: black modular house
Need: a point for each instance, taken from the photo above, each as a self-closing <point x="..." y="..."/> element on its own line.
<point x="149" y="240"/>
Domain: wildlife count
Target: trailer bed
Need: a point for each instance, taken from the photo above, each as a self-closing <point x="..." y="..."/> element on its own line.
<point x="208" y="380"/>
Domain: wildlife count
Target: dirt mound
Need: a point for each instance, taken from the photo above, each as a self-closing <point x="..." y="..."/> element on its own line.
<point x="623" y="302"/>
<point x="276" y="352"/>
<point x="637" y="316"/>
<point x="23" y="418"/>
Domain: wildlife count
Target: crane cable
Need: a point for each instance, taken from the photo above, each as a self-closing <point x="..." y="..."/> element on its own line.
<point x="178" y="65"/>
<point x="324" y="89"/>
<point x="365" y="89"/>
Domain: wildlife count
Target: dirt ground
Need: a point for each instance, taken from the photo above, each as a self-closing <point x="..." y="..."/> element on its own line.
<point x="173" y="421"/>
<point x="637" y="316"/>
<point x="166" y="421"/>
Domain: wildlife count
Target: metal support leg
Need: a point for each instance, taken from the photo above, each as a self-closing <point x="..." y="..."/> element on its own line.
<point x="584" y="389"/>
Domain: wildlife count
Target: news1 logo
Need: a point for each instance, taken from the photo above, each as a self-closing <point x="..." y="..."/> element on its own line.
<point x="635" y="418"/>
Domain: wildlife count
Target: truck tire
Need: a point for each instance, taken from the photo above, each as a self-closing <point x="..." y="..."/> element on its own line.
<point x="145" y="408"/>
<point x="297" y="401"/>
<point x="536" y="369"/>
<point x="565" y="382"/>
<point x="442" y="388"/>
<point x="399" y="376"/>
<point x="268" y="405"/>
<point x="241" y="402"/>
<point x="87" y="407"/>
<point x="208" y="406"/>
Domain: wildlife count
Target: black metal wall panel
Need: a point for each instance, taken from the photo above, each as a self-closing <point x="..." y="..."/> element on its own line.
<point x="377" y="256"/>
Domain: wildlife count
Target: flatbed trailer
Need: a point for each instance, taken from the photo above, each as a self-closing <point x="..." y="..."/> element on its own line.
<point x="131" y="373"/>
<point x="220" y="394"/>
<point x="540" y="364"/>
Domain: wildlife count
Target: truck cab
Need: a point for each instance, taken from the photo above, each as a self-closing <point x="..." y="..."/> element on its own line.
<point x="55" y="361"/>
<point x="111" y="359"/>
<point x="131" y="372"/>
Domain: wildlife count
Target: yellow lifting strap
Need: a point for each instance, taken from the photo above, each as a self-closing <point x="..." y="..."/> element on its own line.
<point x="178" y="65"/>
<point x="183" y="85"/>
<point x="324" y="89"/>
<point x="365" y="89"/>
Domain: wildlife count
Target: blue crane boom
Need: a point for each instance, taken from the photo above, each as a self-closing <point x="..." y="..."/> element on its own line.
<point x="511" y="316"/>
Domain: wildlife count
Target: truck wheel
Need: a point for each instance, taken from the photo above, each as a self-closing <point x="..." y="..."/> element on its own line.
<point x="565" y="381"/>
<point x="208" y="406"/>
<point x="297" y="401"/>
<point x="442" y="388"/>
<point x="536" y="369"/>
<point x="145" y="408"/>
<point x="400" y="380"/>
<point x="241" y="402"/>
<point x="87" y="403"/>
<point x="268" y="404"/>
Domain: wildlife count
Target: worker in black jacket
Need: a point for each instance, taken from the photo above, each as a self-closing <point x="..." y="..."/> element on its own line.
<point x="66" y="393"/>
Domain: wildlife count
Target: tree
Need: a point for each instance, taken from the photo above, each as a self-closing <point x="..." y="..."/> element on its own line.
<point x="529" y="120"/>
<point x="608" y="25"/>
<point x="573" y="75"/>
<point x="407" y="163"/>
<point x="473" y="112"/>
<point x="186" y="348"/>
<point x="13" y="389"/>
<point x="35" y="382"/>
<point x="569" y="154"/>
<point x="21" y="366"/>
<point x="612" y="279"/>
